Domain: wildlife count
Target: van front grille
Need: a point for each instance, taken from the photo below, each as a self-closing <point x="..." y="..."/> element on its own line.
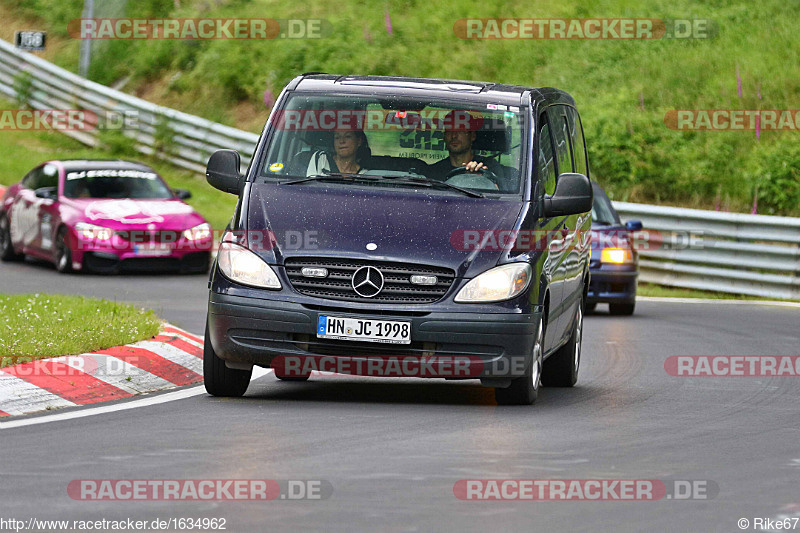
<point x="397" y="286"/>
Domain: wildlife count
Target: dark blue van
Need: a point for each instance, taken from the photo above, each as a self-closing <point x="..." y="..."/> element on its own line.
<point x="394" y="226"/>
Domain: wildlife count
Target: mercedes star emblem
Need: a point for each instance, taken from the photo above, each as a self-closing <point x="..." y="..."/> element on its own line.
<point x="367" y="281"/>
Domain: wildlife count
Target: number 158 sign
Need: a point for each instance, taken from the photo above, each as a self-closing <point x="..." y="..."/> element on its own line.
<point x="30" y="40"/>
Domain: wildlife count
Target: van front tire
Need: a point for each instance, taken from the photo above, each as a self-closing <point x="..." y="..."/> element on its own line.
<point x="219" y="379"/>
<point x="525" y="390"/>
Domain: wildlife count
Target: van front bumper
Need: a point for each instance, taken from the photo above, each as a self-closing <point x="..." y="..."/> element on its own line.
<point x="253" y="331"/>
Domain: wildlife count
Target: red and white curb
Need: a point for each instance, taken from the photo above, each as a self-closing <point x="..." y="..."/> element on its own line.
<point x="173" y="358"/>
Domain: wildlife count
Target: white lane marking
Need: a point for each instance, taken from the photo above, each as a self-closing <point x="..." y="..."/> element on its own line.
<point x="176" y="355"/>
<point x="187" y="339"/>
<point x="258" y="372"/>
<point x="713" y="301"/>
<point x="183" y="335"/>
<point x="18" y="397"/>
<point x="118" y="373"/>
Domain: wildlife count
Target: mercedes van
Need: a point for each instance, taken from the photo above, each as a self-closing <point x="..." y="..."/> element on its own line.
<point x="405" y="227"/>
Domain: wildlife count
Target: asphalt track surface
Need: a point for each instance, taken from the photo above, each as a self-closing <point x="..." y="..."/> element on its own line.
<point x="393" y="449"/>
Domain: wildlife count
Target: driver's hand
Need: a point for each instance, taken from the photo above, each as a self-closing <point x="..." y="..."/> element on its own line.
<point x="474" y="166"/>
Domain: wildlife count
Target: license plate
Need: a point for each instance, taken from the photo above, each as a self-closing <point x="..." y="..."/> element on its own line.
<point x="152" y="250"/>
<point x="360" y="329"/>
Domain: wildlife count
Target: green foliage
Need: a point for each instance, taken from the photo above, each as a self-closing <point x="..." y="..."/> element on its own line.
<point x="623" y="88"/>
<point x="163" y="137"/>
<point x="778" y="178"/>
<point x="116" y="143"/>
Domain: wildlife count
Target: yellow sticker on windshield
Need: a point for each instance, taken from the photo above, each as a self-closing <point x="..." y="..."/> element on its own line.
<point x="276" y="167"/>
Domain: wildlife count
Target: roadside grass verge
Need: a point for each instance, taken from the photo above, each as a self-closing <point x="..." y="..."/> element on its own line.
<point x="29" y="148"/>
<point x="647" y="289"/>
<point x="38" y="326"/>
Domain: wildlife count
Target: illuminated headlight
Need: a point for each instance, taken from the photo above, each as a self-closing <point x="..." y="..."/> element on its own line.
<point x="90" y="232"/>
<point x="198" y="233"/>
<point x="498" y="284"/>
<point x="243" y="266"/>
<point x="617" y="256"/>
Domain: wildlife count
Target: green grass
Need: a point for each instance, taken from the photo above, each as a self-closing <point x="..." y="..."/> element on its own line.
<point x="647" y="289"/>
<point x="623" y="88"/>
<point x="37" y="326"/>
<point x="29" y="148"/>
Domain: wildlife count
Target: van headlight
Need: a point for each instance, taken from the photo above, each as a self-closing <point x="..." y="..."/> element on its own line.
<point x="498" y="284"/>
<point x="243" y="266"/>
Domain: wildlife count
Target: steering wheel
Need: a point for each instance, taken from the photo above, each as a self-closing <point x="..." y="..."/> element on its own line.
<point x="483" y="179"/>
<point x="486" y="171"/>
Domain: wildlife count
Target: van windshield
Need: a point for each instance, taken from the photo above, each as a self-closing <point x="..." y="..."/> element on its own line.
<point x="382" y="141"/>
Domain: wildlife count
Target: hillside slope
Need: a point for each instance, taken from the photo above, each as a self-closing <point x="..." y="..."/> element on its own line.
<point x="624" y="88"/>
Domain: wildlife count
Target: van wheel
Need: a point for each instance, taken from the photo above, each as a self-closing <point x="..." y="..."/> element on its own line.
<point x="625" y="309"/>
<point x="524" y="390"/>
<point x="561" y="368"/>
<point x="7" y="252"/>
<point x="219" y="379"/>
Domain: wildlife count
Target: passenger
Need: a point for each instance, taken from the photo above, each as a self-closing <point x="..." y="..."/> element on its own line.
<point x="350" y="153"/>
<point x="459" y="134"/>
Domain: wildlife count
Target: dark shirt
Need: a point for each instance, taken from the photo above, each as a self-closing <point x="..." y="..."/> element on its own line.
<point x="438" y="171"/>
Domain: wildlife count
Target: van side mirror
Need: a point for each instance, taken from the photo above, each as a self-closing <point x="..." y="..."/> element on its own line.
<point x="222" y="171"/>
<point x="182" y="194"/>
<point x="48" y="193"/>
<point x="633" y="225"/>
<point x="573" y="195"/>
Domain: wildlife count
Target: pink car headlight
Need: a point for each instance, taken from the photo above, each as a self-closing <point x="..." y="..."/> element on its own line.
<point x="198" y="233"/>
<point x="90" y="232"/>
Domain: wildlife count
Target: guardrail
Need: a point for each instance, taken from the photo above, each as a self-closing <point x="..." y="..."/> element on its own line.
<point x="735" y="253"/>
<point x="744" y="254"/>
<point x="191" y="139"/>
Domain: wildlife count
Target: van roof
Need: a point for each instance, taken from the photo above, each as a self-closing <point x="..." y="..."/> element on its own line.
<point x="475" y="91"/>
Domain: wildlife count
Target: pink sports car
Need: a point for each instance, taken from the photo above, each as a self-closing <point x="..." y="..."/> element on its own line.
<point x="102" y="216"/>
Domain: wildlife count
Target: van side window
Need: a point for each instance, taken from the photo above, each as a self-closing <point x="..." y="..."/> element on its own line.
<point x="558" y="117"/>
<point x="578" y="142"/>
<point x="547" y="167"/>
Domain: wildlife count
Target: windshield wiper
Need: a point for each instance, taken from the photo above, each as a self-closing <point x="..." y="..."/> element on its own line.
<point x="422" y="180"/>
<point x="338" y="176"/>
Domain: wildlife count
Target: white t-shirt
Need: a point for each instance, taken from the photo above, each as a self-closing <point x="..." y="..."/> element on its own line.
<point x="319" y="163"/>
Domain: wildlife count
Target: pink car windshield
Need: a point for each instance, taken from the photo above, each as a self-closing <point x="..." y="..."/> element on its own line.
<point x="115" y="183"/>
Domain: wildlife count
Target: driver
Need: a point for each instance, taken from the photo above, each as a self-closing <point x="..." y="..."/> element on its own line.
<point x="459" y="134"/>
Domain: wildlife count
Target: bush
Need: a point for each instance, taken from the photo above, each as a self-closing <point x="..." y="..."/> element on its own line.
<point x="778" y="178"/>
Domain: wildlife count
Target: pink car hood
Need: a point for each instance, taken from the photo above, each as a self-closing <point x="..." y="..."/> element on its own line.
<point x="129" y="214"/>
